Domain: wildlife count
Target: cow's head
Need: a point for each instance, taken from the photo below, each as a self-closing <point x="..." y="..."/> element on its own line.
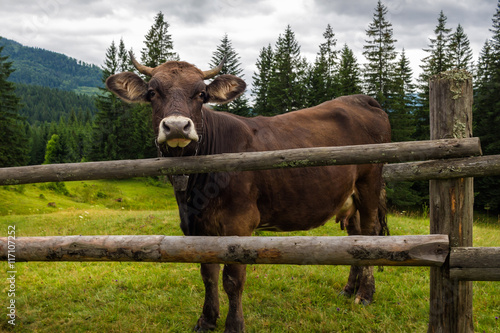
<point x="177" y="92"/>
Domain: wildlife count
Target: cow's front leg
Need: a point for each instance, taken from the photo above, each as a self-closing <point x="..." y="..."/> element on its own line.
<point x="208" y="319"/>
<point x="234" y="277"/>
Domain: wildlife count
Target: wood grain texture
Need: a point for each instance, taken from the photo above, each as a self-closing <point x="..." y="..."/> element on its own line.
<point x="429" y="250"/>
<point x="479" y="166"/>
<point x="291" y="158"/>
<point x="451" y="202"/>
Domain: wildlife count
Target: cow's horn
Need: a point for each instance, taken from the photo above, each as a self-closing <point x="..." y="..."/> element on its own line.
<point x="214" y="71"/>
<point x="141" y="68"/>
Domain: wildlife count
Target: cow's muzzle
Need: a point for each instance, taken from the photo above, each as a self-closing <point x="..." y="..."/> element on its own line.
<point x="177" y="131"/>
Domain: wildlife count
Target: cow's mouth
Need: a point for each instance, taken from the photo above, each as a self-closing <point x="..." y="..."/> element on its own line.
<point x="174" y="143"/>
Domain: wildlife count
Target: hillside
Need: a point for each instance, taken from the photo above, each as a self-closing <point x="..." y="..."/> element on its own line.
<point x="35" y="66"/>
<point x="42" y="104"/>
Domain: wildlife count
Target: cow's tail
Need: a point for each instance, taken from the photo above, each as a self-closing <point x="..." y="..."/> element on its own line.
<point x="382" y="214"/>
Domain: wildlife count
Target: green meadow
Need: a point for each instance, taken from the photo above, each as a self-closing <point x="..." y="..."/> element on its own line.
<point x="167" y="297"/>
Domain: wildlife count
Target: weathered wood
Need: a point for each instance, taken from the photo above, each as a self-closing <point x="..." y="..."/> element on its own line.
<point x="475" y="263"/>
<point x="450" y="100"/>
<point x="479" y="166"/>
<point x="475" y="274"/>
<point x="475" y="257"/>
<point x="292" y="158"/>
<point x="429" y="250"/>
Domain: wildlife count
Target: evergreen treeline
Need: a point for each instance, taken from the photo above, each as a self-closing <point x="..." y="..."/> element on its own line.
<point x="43" y="104"/>
<point x="285" y="81"/>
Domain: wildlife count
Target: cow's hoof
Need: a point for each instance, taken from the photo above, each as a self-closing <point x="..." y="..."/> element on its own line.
<point x="346" y="293"/>
<point x="235" y="330"/>
<point x="361" y="300"/>
<point x="203" y="326"/>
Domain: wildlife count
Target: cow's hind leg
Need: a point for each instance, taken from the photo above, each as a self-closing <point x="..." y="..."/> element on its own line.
<point x="355" y="274"/>
<point x="361" y="280"/>
<point x="234" y="277"/>
<point x="208" y="319"/>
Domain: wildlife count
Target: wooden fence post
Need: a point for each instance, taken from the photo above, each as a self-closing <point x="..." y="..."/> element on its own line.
<point x="451" y="202"/>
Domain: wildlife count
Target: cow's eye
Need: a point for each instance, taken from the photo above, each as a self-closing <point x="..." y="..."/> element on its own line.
<point x="151" y="94"/>
<point x="202" y="95"/>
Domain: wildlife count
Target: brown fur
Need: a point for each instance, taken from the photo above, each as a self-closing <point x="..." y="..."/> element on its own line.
<point x="286" y="199"/>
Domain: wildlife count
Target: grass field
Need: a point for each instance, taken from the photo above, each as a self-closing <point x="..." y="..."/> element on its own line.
<point x="151" y="297"/>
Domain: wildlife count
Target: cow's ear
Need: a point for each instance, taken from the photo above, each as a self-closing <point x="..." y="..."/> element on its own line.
<point x="225" y="88"/>
<point x="128" y="86"/>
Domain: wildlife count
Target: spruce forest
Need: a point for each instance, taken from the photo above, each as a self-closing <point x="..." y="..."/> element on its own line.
<point x="54" y="118"/>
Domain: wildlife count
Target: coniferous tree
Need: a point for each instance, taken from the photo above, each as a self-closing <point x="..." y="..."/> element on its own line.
<point x="483" y="68"/>
<point x="380" y="53"/>
<point x="287" y="91"/>
<point x="14" y="143"/>
<point x="322" y="76"/>
<point x="105" y="143"/>
<point x="436" y="62"/>
<point x="123" y="60"/>
<point x="261" y="79"/>
<point x="38" y="134"/>
<point x="232" y="66"/>
<point x="438" y="59"/>
<point x="460" y="51"/>
<point x="349" y="74"/>
<point x="159" y="46"/>
<point x="486" y="114"/>
<point x="401" y="116"/>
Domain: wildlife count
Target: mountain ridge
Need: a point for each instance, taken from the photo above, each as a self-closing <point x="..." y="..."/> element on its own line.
<point x="40" y="67"/>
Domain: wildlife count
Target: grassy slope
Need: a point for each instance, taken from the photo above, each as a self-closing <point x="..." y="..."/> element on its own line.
<point x="148" y="297"/>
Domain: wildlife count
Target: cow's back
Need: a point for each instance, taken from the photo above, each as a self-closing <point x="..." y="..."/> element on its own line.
<point x="348" y="120"/>
<point x="304" y="198"/>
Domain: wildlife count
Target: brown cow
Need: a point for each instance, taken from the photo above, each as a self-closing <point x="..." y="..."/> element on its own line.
<point x="237" y="203"/>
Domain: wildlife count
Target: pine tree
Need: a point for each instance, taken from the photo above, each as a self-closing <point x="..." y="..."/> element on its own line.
<point x="401" y="116"/>
<point x="14" y="142"/>
<point x="104" y="143"/>
<point x="436" y="62"/>
<point x="261" y="79"/>
<point x="123" y="58"/>
<point x="438" y="59"/>
<point x="380" y="53"/>
<point x="232" y="66"/>
<point x="287" y="90"/>
<point x="322" y="76"/>
<point x="483" y="69"/>
<point x="349" y="75"/>
<point x="486" y="114"/>
<point x="39" y="138"/>
<point x="159" y="46"/>
<point x="460" y="51"/>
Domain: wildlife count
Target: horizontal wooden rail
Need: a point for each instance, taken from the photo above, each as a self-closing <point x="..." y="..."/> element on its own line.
<point x="479" y="166"/>
<point x="429" y="250"/>
<point x="292" y="158"/>
<point x="475" y="263"/>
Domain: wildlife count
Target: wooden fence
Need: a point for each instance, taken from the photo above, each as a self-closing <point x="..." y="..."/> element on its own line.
<point x="448" y="250"/>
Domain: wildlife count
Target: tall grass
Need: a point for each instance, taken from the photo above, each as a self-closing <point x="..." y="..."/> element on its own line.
<point x="155" y="297"/>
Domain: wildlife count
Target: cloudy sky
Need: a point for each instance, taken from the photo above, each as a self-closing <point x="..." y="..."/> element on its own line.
<point x="84" y="29"/>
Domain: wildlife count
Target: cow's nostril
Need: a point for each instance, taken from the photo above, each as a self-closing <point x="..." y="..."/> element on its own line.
<point x="187" y="128"/>
<point x="166" y="127"/>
